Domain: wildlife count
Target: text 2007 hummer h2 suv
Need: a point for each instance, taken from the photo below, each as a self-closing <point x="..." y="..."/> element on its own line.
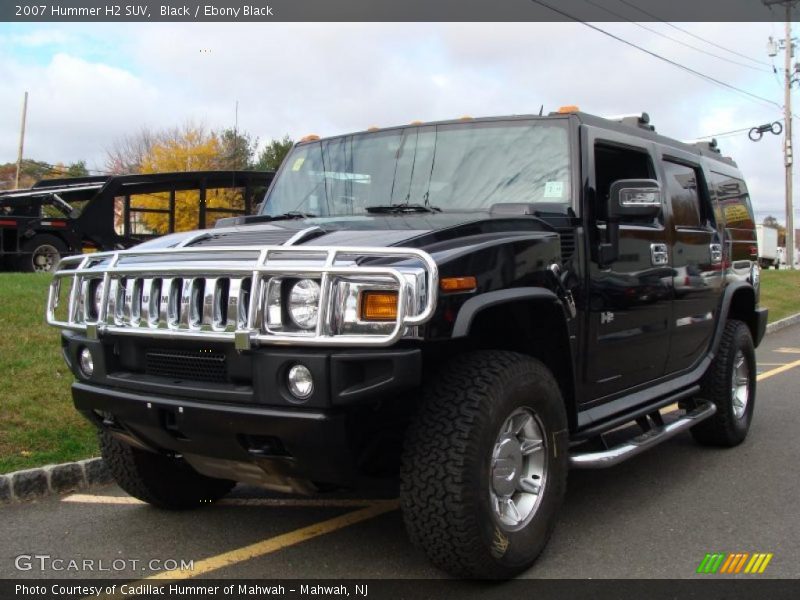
<point x="473" y="304"/>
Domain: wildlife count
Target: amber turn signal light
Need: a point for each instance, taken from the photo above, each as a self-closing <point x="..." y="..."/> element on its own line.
<point x="379" y="306"/>
<point x="458" y="284"/>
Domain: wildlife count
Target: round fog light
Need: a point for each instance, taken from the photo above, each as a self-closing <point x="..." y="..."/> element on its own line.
<point x="301" y="383"/>
<point x="86" y="362"/>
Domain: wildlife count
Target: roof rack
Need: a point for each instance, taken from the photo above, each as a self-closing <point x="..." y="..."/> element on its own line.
<point x="634" y="120"/>
<point x="710" y="145"/>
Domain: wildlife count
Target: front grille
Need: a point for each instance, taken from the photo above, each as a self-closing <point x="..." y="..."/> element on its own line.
<point x="197" y="365"/>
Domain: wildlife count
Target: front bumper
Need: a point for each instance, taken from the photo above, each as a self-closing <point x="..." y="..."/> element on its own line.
<point x="281" y="449"/>
<point x="258" y="377"/>
<point x="249" y="427"/>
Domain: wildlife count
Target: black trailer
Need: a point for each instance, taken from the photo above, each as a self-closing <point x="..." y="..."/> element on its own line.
<point x="59" y="217"/>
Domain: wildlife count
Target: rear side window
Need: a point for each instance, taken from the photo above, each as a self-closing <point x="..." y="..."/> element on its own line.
<point x="681" y="185"/>
<point x="734" y="201"/>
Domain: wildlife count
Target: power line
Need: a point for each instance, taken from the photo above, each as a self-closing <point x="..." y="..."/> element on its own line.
<point x="724" y="133"/>
<point x="687" y="32"/>
<point x="672" y="39"/>
<point x="62" y="170"/>
<point x="662" y="58"/>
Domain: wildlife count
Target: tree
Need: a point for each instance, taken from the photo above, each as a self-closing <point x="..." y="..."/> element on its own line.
<point x="77" y="169"/>
<point x="34" y="170"/>
<point x="188" y="148"/>
<point x="126" y="154"/>
<point x="238" y="150"/>
<point x="273" y="154"/>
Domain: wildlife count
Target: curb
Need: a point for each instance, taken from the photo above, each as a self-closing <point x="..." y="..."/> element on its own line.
<point x="783" y="323"/>
<point x="32" y="484"/>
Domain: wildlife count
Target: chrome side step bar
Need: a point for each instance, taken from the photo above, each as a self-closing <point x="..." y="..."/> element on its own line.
<point x="642" y="442"/>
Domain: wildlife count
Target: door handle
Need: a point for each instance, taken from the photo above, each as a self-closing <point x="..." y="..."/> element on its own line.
<point x="716" y="253"/>
<point x="659" y="254"/>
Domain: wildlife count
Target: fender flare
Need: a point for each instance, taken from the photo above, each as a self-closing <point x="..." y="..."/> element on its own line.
<point x="473" y="306"/>
<point x="755" y="322"/>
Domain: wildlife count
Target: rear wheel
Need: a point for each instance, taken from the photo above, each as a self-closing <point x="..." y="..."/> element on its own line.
<point x="730" y="383"/>
<point x="159" y="480"/>
<point x="42" y="254"/>
<point x="485" y="465"/>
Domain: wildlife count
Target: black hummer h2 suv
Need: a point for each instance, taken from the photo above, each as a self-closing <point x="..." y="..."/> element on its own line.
<point x="474" y="306"/>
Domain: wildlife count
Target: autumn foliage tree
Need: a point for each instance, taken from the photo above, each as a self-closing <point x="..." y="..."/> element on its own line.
<point x="190" y="148"/>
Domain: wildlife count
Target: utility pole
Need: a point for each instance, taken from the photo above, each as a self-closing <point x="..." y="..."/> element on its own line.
<point x="787" y="108"/>
<point x="788" y="45"/>
<point x="21" y="139"/>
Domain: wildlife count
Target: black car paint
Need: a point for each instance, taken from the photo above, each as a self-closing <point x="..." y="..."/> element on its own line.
<point x="617" y="369"/>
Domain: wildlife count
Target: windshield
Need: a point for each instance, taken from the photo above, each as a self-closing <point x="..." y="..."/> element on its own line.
<point x="463" y="166"/>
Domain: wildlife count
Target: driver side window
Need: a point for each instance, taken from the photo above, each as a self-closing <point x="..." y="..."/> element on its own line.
<point x="612" y="163"/>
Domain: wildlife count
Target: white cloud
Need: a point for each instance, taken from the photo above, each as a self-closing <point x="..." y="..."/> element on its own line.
<point x="334" y="78"/>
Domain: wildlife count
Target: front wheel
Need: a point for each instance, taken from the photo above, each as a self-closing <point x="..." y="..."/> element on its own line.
<point x="159" y="480"/>
<point x="485" y="465"/>
<point x="730" y="383"/>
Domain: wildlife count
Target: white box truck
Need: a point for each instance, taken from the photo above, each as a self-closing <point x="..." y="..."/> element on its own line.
<point x="767" y="246"/>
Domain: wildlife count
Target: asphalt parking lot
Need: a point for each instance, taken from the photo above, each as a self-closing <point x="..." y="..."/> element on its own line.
<point x="655" y="516"/>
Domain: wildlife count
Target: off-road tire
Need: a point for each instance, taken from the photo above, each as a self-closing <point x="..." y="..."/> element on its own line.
<point x="159" y="480"/>
<point x="26" y="261"/>
<point x="724" y="429"/>
<point x="445" y="479"/>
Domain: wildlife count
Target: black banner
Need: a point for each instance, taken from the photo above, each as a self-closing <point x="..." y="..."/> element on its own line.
<point x="733" y="588"/>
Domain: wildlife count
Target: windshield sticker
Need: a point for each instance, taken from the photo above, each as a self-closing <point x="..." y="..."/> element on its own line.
<point x="554" y="189"/>
<point x="354" y="177"/>
<point x="298" y="163"/>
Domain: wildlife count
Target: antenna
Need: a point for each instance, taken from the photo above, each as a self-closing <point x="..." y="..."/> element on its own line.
<point x="235" y="135"/>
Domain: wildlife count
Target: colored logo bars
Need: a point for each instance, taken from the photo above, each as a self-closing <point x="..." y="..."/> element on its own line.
<point x="737" y="562"/>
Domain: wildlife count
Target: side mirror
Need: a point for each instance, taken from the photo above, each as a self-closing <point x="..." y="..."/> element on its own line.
<point x="627" y="198"/>
<point x="634" y="198"/>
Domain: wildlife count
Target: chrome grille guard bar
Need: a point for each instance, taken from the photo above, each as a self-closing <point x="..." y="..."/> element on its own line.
<point x="144" y="314"/>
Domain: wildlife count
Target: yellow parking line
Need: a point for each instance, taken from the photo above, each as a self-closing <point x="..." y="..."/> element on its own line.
<point x="226" y="559"/>
<point x="270" y="545"/>
<point x="265" y="502"/>
<point x="778" y="370"/>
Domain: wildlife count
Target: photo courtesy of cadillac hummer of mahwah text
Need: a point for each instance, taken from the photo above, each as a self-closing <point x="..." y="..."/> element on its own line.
<point x="471" y="307"/>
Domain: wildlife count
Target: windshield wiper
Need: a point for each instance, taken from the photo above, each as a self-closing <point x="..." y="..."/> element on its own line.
<point x="292" y="214"/>
<point x="405" y="207"/>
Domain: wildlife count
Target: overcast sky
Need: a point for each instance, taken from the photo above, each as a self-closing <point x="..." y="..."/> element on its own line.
<point x="91" y="84"/>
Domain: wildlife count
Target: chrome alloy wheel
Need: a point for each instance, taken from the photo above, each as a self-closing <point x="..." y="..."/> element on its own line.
<point x="740" y="385"/>
<point x="518" y="470"/>
<point x="45" y="258"/>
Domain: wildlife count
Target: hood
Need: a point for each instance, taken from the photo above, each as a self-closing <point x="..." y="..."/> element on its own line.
<point x="414" y="230"/>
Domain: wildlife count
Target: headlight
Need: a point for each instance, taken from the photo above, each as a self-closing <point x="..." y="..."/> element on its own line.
<point x="303" y="305"/>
